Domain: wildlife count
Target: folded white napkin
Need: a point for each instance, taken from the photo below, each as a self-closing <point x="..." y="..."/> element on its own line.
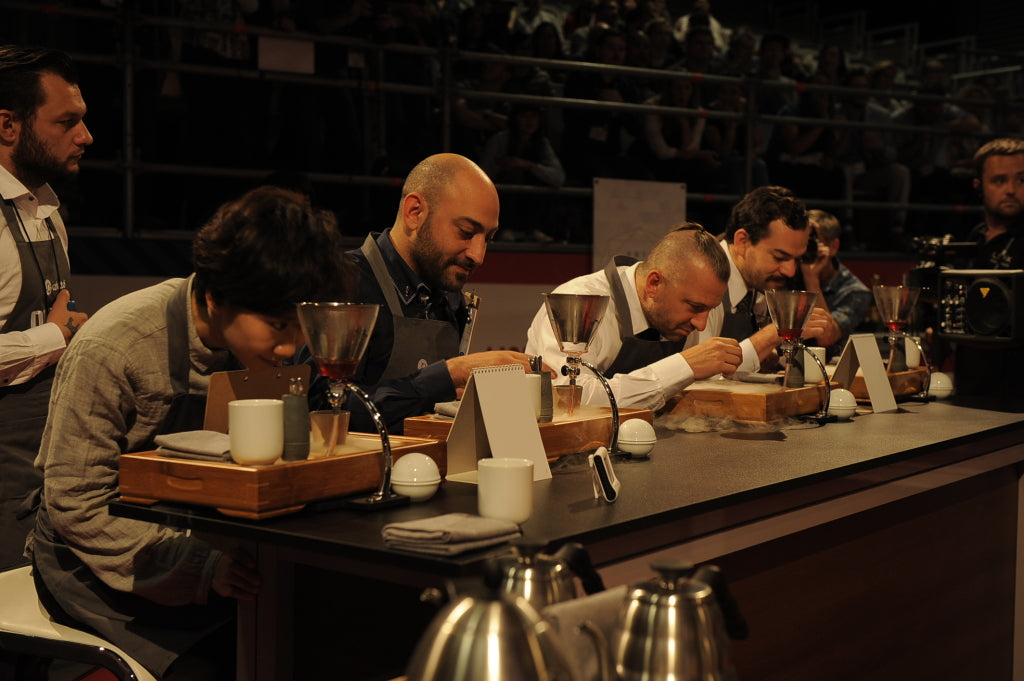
<point x="449" y="534"/>
<point x="203" y="445"/>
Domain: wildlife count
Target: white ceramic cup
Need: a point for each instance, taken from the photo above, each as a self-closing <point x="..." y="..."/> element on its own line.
<point x="505" y="488"/>
<point x="256" y="431"/>
<point x="913" y="353"/>
<point x="533" y="386"/>
<point x="812" y="374"/>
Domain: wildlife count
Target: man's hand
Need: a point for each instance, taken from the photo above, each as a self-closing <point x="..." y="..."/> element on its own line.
<point x="236" y="577"/>
<point x="714" y="356"/>
<point x="811" y="271"/>
<point x="461" y="367"/>
<point x="822" y="326"/>
<point x="68" y="321"/>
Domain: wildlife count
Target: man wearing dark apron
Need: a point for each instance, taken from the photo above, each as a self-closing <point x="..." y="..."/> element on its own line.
<point x="415" y="271"/>
<point x="35" y="323"/>
<point x="640" y="344"/>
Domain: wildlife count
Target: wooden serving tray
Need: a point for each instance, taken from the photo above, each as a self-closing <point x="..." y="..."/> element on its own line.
<point x="266" y="491"/>
<point x="587" y="429"/>
<point x="747" y="402"/>
<point x="903" y="383"/>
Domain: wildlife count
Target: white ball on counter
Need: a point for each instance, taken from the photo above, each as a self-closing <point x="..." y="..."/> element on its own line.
<point x="416" y="476"/>
<point x="941" y="385"/>
<point x="842" y="404"/>
<point x="636" y="437"/>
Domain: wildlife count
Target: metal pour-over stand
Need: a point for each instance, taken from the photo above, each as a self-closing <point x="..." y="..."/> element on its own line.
<point x="337" y="335"/>
<point x="789" y="311"/>
<point x="895" y="303"/>
<point x="574" y="319"/>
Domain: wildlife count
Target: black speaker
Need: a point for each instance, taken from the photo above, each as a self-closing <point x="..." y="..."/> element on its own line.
<point x="981" y="305"/>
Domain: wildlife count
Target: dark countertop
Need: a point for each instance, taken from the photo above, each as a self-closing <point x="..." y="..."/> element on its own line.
<point x="704" y="482"/>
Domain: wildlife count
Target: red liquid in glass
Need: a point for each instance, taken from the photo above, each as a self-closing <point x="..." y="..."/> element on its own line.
<point x="789" y="334"/>
<point x="895" y="325"/>
<point x="337" y="370"/>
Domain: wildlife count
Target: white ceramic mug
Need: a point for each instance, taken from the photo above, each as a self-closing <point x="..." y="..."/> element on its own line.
<point x="505" y="488"/>
<point x="256" y="431"/>
<point x="812" y="373"/>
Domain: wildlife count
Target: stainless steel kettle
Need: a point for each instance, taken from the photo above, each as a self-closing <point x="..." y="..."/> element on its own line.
<point x="545" y="579"/>
<point x="674" y="628"/>
<point x="484" y="634"/>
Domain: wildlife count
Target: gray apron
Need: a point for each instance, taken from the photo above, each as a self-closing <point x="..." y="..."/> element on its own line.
<point x="153" y="634"/>
<point x="741" y="324"/>
<point x="23" y="407"/>
<point x="417" y="342"/>
<point x="635" y="353"/>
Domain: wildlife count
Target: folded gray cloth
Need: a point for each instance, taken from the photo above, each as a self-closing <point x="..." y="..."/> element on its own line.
<point x="447" y="408"/>
<point x="202" y="445"/>
<point x="449" y="534"/>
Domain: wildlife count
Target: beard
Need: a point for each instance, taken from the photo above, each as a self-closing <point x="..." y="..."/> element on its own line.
<point x="33" y="162"/>
<point x="435" y="268"/>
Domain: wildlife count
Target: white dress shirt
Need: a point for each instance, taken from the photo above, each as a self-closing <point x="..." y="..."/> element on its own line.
<point x="644" y="388"/>
<point x="23" y="354"/>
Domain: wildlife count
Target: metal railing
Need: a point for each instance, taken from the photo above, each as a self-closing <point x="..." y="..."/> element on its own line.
<point x="130" y="169"/>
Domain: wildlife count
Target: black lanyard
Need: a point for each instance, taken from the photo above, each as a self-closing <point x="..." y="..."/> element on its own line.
<point x="28" y="240"/>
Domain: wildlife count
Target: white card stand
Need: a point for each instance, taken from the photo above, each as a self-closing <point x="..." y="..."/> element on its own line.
<point x="862" y="351"/>
<point x="496" y="419"/>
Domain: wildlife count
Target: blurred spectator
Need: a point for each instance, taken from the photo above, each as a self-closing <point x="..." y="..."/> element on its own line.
<point x="782" y="92"/>
<point x="870" y="167"/>
<point x="475" y="120"/>
<point x="804" y="157"/>
<point x="672" y="146"/>
<point x="665" y="51"/>
<point x="933" y="76"/>
<point x="728" y="138"/>
<point x="739" y="58"/>
<point x="522" y="154"/>
<point x="526" y="79"/>
<point x="644" y="12"/>
<point x="702" y="8"/>
<point x="593" y="140"/>
<point x="699" y="50"/>
<point x="547" y="44"/>
<point x="832" y="63"/>
<point x="527" y="15"/>
<point x="581" y="41"/>
<point x="638" y="54"/>
<point x="927" y="153"/>
<point x="883" y="81"/>
<point x="977" y="101"/>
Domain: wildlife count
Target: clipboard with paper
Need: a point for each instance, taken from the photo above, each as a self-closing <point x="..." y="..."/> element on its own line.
<point x="495" y="419"/>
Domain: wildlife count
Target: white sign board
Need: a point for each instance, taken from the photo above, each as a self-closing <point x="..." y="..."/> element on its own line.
<point x="630" y="216"/>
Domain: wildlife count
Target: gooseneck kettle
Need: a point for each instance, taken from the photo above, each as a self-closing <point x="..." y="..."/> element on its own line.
<point x="545" y="579"/>
<point x="674" y="628"/>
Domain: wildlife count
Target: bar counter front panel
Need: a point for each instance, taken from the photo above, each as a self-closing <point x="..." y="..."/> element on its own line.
<point x="884" y="547"/>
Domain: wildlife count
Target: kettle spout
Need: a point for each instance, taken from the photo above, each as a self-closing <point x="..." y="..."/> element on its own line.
<point x="604" y="660"/>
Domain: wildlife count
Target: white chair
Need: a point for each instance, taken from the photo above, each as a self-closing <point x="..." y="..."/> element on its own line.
<point x="26" y="628"/>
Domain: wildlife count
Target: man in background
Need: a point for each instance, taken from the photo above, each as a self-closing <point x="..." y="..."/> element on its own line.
<point x="654" y="305"/>
<point x="42" y="139"/>
<point x="845" y="296"/>
<point x="766" y="236"/>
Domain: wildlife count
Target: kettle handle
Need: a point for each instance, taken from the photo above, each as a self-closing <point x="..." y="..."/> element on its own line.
<point x="578" y="560"/>
<point x="735" y="623"/>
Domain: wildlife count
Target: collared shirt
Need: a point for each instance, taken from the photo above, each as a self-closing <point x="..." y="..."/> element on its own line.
<point x="737" y="291"/>
<point x="645" y="388"/>
<point x="848" y="300"/>
<point x="24" y="353"/>
<point x="111" y="394"/>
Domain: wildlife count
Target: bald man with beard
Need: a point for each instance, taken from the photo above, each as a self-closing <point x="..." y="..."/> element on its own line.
<point x="415" y="271"/>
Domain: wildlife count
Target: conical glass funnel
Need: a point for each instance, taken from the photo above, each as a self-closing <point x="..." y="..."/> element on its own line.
<point x="337" y="335"/>
<point x="789" y="311"/>
<point x="574" y="319"/>
<point x="895" y="303"/>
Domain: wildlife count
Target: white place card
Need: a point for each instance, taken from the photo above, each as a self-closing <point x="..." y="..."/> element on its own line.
<point x="495" y="419"/>
<point x="862" y="351"/>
